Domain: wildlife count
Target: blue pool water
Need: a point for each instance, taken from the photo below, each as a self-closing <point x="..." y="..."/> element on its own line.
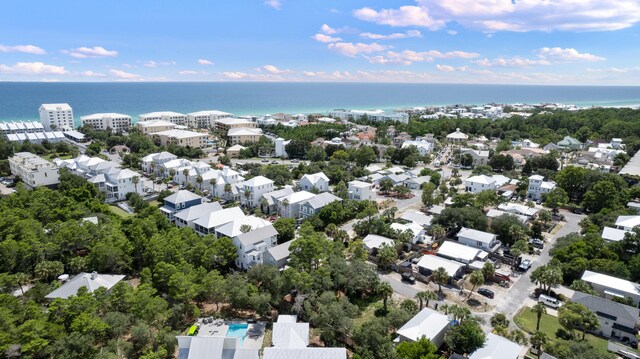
<point x="238" y="331"/>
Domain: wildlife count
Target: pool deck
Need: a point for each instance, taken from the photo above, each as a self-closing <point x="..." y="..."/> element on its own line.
<point x="219" y="328"/>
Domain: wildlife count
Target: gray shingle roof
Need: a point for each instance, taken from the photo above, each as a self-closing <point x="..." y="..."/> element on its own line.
<point x="322" y="200"/>
<point x="257" y="235"/>
<point x="606" y="306"/>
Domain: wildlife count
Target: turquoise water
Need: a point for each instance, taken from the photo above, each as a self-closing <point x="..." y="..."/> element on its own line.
<point x="21" y="100"/>
<point x="238" y="331"/>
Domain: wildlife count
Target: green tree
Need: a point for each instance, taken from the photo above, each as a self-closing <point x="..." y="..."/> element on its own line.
<point x="386" y="185"/>
<point x="387" y="255"/>
<point x="286" y="228"/>
<point x="310" y="250"/>
<point x="502" y="163"/>
<point x="499" y="320"/>
<point x="574" y="315"/>
<point x="222" y="253"/>
<point x="476" y="278"/>
<point x="555" y="199"/>
<point x="297" y="148"/>
<point x="547" y="277"/>
<point x="539" y="309"/>
<point x="465" y="337"/>
<point x="316" y="154"/>
<point x="440" y="277"/>
<point x="604" y="194"/>
<point x="426" y="296"/>
<point x="518" y="248"/>
<point x="488" y="270"/>
<point x="428" y="194"/>
<point x="538" y="339"/>
<point x="365" y="156"/>
<point x="420" y="349"/>
<point x="384" y="289"/>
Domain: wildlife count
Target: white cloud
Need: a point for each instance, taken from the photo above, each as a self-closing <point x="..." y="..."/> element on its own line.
<point x="152" y="63"/>
<point x="445" y="68"/>
<point x="394" y="36"/>
<point x="352" y="50"/>
<point x="122" y="75"/>
<point x="403" y="16"/>
<point x="92" y="74"/>
<point x="90" y="52"/>
<point x="512" y="62"/>
<point x="276" y="4"/>
<point x="328" y="29"/>
<point x="452" y="32"/>
<point x="516" y="15"/>
<point x="33" y="68"/>
<point x="235" y="75"/>
<point x="27" y="49"/>
<point x="273" y="70"/>
<point x="407" y="57"/>
<point x="204" y="62"/>
<point x="188" y="72"/>
<point x="325" y="38"/>
<point x="568" y="54"/>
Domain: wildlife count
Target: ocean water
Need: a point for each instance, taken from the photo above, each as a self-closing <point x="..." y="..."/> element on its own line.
<point x="21" y="100"/>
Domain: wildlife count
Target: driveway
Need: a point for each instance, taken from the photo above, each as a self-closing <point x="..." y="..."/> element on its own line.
<point x="521" y="291"/>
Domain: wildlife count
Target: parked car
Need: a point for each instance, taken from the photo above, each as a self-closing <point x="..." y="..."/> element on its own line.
<point x="537" y="243"/>
<point x="265" y="160"/>
<point x="295" y="160"/>
<point x="549" y="301"/>
<point x="274" y="162"/>
<point x="408" y="277"/>
<point x="525" y="265"/>
<point x="486" y="292"/>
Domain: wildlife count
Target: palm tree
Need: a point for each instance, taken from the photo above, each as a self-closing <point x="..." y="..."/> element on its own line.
<point x="539" y="309"/>
<point x="426" y="296"/>
<point x="199" y="181"/>
<point x="152" y="165"/>
<point x="476" y="278"/>
<point x="135" y="181"/>
<point x="172" y="173"/>
<point x="21" y="279"/>
<point x="538" y="339"/>
<point x="213" y="182"/>
<point x="386" y="291"/>
<point x="264" y="204"/>
<point x="227" y="190"/>
<point x="247" y="195"/>
<point x="185" y="173"/>
<point x="438" y="232"/>
<point x="285" y="205"/>
<point x="440" y="277"/>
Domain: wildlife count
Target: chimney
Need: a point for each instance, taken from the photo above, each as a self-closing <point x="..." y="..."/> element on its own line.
<point x="94" y="275"/>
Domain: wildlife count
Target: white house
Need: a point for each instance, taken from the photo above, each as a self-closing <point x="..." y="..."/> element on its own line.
<point x="627" y="223"/>
<point x="152" y="163"/>
<point x="479" y="157"/>
<point x="497" y="347"/>
<point x="424" y="147"/>
<point x="269" y="201"/>
<point x="253" y="189"/>
<point x="417" y="182"/>
<point x="417" y="231"/>
<point x="477" y="184"/>
<point x="33" y="170"/>
<point x="461" y="253"/>
<point x="427" y="323"/>
<point x="113" y="121"/>
<point x="179" y="201"/>
<point x="291" y="340"/>
<point x="280" y="144"/>
<point x="319" y="181"/>
<point x="538" y="187"/>
<point x="610" y="287"/>
<point x="56" y="116"/>
<point x="483" y="240"/>
<point x="361" y="190"/>
<point x="430" y="263"/>
<point x="418" y="218"/>
<point x="278" y="255"/>
<point x="205" y="119"/>
<point x="187" y="217"/>
<point x="289" y="206"/>
<point x="518" y="209"/>
<point x="91" y="281"/>
<point x="373" y="242"/>
<point x="457" y="137"/>
<point x="252" y="245"/>
<point x="616" y="319"/>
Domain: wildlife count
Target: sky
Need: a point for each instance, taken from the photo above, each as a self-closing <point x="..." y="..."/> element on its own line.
<point x="543" y="42"/>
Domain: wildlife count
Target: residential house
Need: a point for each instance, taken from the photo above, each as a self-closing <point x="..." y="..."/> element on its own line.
<point x="207" y="224"/>
<point x="538" y="187"/>
<point x="495" y="213"/>
<point x="278" y="255"/>
<point x="430" y="263"/>
<point x="179" y="201"/>
<point x="116" y="122"/>
<point x="616" y="320"/>
<point x="396" y="179"/>
<point x="91" y="281"/>
<point x="429" y="324"/>
<point x="291" y="339"/>
<point x="569" y="143"/>
<point x="209" y="346"/>
<point x="187" y="217"/>
<point x="253" y="244"/>
<point x="269" y="201"/>
<point x="519" y="209"/>
<point x="627" y="223"/>
<point x="461" y="253"/>
<point x="418" y="233"/>
<point x="253" y="189"/>
<point x="477" y="184"/>
<point x="418" y="218"/>
<point x="313" y="206"/>
<point x="417" y="182"/>
<point x="226" y="123"/>
<point x="497" y="347"/>
<point x="479" y="157"/>
<point x="205" y="119"/>
<point x="289" y="206"/>
<point x="479" y="239"/>
<point x="152" y="163"/>
<point x="374" y="242"/>
<point x="361" y="190"/>
<point x="424" y="147"/>
<point x="34" y="171"/>
<point x="611" y="287"/>
<point x="319" y="181"/>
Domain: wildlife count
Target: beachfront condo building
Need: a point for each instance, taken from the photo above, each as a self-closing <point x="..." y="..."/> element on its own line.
<point x="34" y="171"/>
<point x="205" y="119"/>
<point x="181" y="138"/>
<point x="115" y="122"/>
<point x="56" y="116"/>
<point x="153" y="126"/>
<point x="170" y="116"/>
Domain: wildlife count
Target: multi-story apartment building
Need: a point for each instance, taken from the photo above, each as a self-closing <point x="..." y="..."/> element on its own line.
<point x="33" y="170"/>
<point x="239" y="135"/>
<point x="376" y="115"/>
<point x="205" y="119"/>
<point x="224" y="124"/>
<point x="169" y="116"/>
<point x="56" y="116"/>
<point x="115" y="122"/>
<point x="181" y="138"/>
<point x="147" y="127"/>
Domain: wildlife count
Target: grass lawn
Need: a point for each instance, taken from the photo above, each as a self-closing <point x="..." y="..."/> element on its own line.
<point x="368" y="313"/>
<point x="120" y="212"/>
<point x="52" y="156"/>
<point x="154" y="203"/>
<point x="526" y="320"/>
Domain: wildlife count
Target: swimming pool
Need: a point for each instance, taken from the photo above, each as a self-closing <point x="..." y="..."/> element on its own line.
<point x="238" y="331"/>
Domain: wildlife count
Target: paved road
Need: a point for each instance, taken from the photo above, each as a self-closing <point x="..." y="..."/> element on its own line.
<point x="524" y="287"/>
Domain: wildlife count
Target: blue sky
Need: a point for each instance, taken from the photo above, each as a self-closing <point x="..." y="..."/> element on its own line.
<point x="586" y="42"/>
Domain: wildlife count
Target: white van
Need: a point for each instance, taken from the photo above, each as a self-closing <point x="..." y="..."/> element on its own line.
<point x="549" y="301"/>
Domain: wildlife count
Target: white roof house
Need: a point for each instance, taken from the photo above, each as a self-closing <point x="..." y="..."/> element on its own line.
<point x="427" y="323"/>
<point x="306" y="353"/>
<point x="457" y="136"/>
<point x="290" y="340"/>
<point x="613" y="234"/>
<point x="216" y="219"/>
<point x="431" y="263"/>
<point x="207" y="347"/>
<point x="322" y="200"/>
<point x="460" y="252"/>
<point x="497" y="347"/>
<point x="520" y="209"/>
<point x="258" y="181"/>
<point x="187" y="216"/>
<point x="481" y="236"/>
<point x="610" y="286"/>
<point x="319" y="181"/>
<point x="627" y="222"/>
<point x="417" y="217"/>
<point x="374" y="241"/>
<point x="91" y="281"/>
<point x="494" y="213"/>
